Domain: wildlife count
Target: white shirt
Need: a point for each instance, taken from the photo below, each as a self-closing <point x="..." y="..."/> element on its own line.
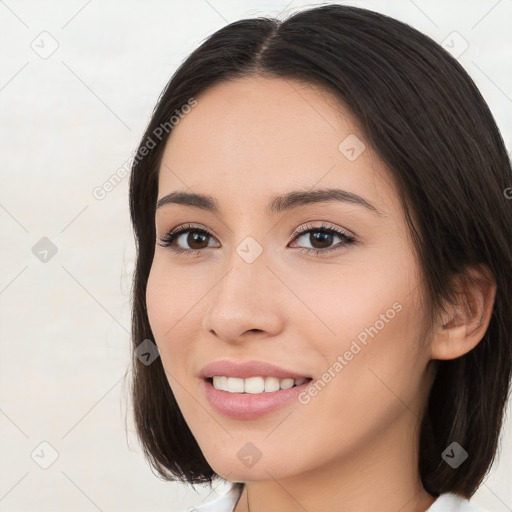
<point x="444" y="503"/>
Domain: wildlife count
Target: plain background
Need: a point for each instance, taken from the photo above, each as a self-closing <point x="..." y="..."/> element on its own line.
<point x="69" y="121"/>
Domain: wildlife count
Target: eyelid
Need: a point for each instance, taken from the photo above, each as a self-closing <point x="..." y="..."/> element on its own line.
<point x="324" y="226"/>
<point x="192" y="226"/>
<point x="303" y="228"/>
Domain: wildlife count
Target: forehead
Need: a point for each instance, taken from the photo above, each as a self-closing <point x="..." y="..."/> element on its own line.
<point x="239" y="115"/>
<point x="256" y="137"/>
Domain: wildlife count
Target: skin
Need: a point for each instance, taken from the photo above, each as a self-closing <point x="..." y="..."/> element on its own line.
<point x="353" y="447"/>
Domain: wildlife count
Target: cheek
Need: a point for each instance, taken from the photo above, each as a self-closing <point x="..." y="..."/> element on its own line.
<point x="357" y="300"/>
<point x="167" y="306"/>
<point x="376" y="381"/>
<point x="171" y="294"/>
<point x="375" y="361"/>
<point x="373" y="318"/>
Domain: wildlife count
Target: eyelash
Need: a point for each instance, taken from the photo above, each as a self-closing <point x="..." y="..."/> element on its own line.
<point x="168" y="240"/>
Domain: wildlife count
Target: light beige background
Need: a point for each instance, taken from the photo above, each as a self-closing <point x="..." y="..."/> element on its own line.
<point x="69" y="121"/>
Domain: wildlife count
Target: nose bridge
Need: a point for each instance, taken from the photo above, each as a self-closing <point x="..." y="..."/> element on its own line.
<point x="247" y="254"/>
<point x="245" y="268"/>
<point x="241" y="300"/>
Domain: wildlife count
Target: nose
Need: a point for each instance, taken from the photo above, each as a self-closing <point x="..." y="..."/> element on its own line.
<point x="244" y="302"/>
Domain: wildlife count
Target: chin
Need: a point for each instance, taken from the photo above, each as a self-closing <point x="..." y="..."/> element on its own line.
<point x="236" y="470"/>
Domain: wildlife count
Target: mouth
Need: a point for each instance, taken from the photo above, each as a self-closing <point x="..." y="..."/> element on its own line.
<point x="248" y="390"/>
<point x="253" y="397"/>
<point x="254" y="385"/>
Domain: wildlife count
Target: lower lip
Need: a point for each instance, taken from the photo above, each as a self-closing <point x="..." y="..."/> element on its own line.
<point x="248" y="406"/>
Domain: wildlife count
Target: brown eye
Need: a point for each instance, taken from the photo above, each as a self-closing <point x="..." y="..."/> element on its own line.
<point x="321" y="238"/>
<point x="194" y="239"/>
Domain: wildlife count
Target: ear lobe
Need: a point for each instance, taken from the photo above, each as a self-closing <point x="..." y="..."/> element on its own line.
<point x="464" y="324"/>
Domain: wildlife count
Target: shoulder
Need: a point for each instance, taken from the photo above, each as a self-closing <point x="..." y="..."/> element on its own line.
<point x="453" y="503"/>
<point x="224" y="503"/>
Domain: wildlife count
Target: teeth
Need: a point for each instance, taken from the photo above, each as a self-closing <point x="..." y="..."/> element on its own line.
<point x="254" y="385"/>
<point x="271" y="384"/>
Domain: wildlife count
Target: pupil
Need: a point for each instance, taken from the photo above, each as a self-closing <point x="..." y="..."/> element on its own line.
<point x="323" y="238"/>
<point x="193" y="238"/>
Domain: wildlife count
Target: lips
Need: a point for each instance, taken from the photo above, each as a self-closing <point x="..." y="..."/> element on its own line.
<point x="249" y="369"/>
<point x="249" y="406"/>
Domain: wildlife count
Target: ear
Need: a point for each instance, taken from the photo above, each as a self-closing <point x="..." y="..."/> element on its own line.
<point x="464" y="324"/>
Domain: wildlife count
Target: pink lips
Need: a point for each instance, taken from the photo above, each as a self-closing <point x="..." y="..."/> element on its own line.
<point x="245" y="406"/>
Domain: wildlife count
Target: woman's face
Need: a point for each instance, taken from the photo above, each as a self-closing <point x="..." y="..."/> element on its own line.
<point x="349" y="317"/>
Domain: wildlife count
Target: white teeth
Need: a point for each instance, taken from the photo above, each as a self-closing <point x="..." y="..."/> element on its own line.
<point x="286" y="383"/>
<point x="235" y="385"/>
<point x="254" y="385"/>
<point x="220" y="382"/>
<point x="271" y="384"/>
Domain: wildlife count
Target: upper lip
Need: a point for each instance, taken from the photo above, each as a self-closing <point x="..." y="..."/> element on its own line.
<point x="248" y="369"/>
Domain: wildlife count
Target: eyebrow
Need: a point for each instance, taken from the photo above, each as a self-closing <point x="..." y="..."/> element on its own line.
<point x="277" y="204"/>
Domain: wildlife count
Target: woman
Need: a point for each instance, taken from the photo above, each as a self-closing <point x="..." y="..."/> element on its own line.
<point x="324" y="262"/>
